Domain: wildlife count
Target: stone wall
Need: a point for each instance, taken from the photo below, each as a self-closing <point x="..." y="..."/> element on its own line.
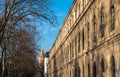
<point x="90" y="45"/>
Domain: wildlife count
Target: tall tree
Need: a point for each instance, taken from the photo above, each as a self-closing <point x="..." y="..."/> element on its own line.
<point x="20" y="14"/>
<point x="22" y="58"/>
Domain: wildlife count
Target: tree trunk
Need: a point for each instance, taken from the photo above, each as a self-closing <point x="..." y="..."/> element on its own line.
<point x="3" y="62"/>
<point x="4" y="58"/>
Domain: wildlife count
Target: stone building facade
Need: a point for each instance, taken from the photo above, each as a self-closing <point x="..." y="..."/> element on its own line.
<point x="40" y="58"/>
<point x="88" y="44"/>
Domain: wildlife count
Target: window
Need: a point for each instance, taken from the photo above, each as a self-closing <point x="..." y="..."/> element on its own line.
<point x="102" y="26"/>
<point x="76" y="45"/>
<point x="94" y="70"/>
<point x="69" y="52"/>
<point x="61" y="57"/>
<point x="83" y="70"/>
<point x="83" y="4"/>
<point x="75" y="12"/>
<point x="102" y="68"/>
<point x="75" y="74"/>
<point x="72" y="49"/>
<point x="78" y="75"/>
<point x="78" y="42"/>
<point x="112" y="15"/>
<point x="83" y="38"/>
<point x="113" y="66"/>
<point x="77" y="71"/>
<point x="88" y="70"/>
<point x="79" y="9"/>
<point x="88" y="34"/>
<point x="94" y="28"/>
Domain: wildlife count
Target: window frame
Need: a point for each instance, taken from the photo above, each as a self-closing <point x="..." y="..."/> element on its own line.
<point x="102" y="25"/>
<point x="112" y="15"/>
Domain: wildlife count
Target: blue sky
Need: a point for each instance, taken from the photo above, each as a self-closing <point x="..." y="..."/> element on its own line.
<point x="61" y="9"/>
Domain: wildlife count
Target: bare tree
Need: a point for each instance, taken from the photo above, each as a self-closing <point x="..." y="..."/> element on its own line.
<point x="22" y="10"/>
<point x="22" y="57"/>
<point x="20" y="14"/>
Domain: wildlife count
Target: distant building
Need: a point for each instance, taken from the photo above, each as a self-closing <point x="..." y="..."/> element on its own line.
<point x="41" y="57"/>
<point x="46" y="64"/>
<point x="88" y="44"/>
<point x="41" y="64"/>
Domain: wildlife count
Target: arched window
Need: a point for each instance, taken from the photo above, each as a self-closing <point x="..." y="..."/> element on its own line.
<point x="78" y="42"/>
<point x="83" y="38"/>
<point x="88" y="70"/>
<point x="102" y="68"/>
<point x="113" y="66"/>
<point x="102" y="26"/>
<point x="75" y="12"/>
<point x="78" y="74"/>
<point x="88" y="34"/>
<point x="112" y="14"/>
<point x="94" y="70"/>
<point x="83" y="70"/>
<point x="77" y="71"/>
<point x="79" y="8"/>
<point x="94" y="27"/>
